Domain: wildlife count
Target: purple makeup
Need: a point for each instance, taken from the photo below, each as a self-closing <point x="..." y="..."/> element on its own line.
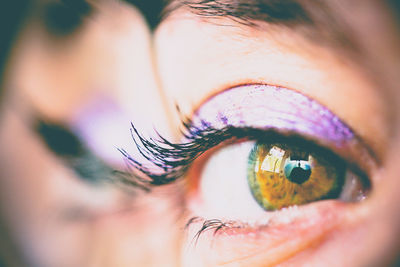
<point x="103" y="126"/>
<point x="271" y="107"/>
<point x="253" y="112"/>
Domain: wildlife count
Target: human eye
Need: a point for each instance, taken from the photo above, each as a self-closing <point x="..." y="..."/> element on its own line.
<point x="292" y="150"/>
<point x="259" y="158"/>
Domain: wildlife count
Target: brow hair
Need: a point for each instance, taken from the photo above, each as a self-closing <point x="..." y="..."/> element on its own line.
<point x="343" y="26"/>
<point x="317" y="19"/>
<point x="64" y="17"/>
<point x="246" y="11"/>
<point x="12" y="17"/>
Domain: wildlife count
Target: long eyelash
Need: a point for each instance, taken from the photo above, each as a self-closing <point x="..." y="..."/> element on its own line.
<point x="214" y="225"/>
<point x="169" y="161"/>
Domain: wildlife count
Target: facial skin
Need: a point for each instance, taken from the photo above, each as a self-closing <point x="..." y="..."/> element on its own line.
<point x="54" y="218"/>
<point x="184" y="62"/>
<point x="227" y="56"/>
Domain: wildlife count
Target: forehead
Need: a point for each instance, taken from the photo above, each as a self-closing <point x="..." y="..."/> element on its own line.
<point x="364" y="33"/>
<point x="326" y="22"/>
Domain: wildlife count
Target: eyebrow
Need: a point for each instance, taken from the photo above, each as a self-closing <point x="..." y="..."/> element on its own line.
<point x="62" y="18"/>
<point x="321" y="21"/>
<point x="288" y="12"/>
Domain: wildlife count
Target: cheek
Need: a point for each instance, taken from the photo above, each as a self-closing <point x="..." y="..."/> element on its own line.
<point x="41" y="202"/>
<point x="384" y="220"/>
<point x="34" y="189"/>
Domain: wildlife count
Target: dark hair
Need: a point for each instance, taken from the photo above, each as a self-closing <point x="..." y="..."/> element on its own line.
<point x="151" y="10"/>
<point x="12" y="17"/>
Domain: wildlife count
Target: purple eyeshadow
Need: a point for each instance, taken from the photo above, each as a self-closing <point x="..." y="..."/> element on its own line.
<point x="271" y="107"/>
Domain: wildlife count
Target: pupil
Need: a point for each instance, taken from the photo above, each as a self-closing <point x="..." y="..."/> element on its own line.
<point x="297" y="171"/>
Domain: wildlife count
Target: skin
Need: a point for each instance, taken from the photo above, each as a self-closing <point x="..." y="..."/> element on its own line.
<point x="185" y="61"/>
<point x="240" y="56"/>
<point x="95" y="61"/>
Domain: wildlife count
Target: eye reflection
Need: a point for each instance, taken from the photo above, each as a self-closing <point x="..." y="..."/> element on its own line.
<point x="281" y="175"/>
<point x="298" y="167"/>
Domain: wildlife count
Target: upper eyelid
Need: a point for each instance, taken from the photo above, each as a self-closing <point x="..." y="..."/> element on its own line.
<point x="355" y="143"/>
<point x="161" y="153"/>
<point x="174" y="159"/>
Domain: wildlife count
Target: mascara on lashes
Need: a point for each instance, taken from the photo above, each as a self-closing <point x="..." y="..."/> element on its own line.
<point x="248" y="111"/>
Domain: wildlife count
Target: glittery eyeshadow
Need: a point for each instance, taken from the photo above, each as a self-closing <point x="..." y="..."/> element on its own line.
<point x="272" y="107"/>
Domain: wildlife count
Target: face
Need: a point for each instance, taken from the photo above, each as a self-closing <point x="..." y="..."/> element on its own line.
<point x="54" y="212"/>
<point x="287" y="155"/>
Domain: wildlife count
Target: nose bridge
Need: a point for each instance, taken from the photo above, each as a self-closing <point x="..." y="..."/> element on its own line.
<point x="149" y="234"/>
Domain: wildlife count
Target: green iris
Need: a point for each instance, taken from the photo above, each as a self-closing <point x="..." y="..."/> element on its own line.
<point x="282" y="175"/>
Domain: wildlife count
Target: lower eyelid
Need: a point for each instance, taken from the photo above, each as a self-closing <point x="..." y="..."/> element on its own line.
<point x="274" y="238"/>
<point x="218" y="188"/>
<point x="277" y="240"/>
